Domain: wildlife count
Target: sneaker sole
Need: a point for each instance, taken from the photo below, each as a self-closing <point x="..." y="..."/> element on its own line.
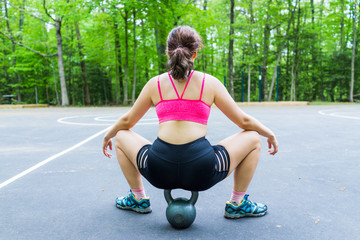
<point x="236" y="216"/>
<point x="138" y="210"/>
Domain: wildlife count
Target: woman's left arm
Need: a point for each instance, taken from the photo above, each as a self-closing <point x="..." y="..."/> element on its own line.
<point x="129" y="119"/>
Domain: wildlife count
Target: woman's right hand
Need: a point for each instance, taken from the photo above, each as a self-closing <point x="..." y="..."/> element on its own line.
<point x="272" y="142"/>
<point x="107" y="143"/>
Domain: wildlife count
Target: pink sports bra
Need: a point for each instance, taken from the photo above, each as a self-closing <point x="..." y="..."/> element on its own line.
<point x="183" y="109"/>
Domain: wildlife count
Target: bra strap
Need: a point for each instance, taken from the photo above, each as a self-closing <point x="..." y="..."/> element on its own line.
<point x="186" y="84"/>
<point x="174" y="86"/>
<point x="159" y="88"/>
<point x="202" y="87"/>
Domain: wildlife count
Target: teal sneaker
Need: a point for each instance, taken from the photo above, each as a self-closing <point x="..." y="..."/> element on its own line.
<point x="131" y="203"/>
<point x="246" y="208"/>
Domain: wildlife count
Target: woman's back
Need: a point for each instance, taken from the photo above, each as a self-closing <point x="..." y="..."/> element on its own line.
<point x="197" y="89"/>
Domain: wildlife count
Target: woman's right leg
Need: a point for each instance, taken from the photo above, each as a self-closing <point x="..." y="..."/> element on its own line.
<point x="244" y="150"/>
<point x="127" y="146"/>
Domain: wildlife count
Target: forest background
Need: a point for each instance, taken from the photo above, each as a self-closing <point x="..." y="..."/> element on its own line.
<point x="102" y="52"/>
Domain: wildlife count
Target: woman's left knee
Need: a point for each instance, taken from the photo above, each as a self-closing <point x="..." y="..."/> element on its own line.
<point x="255" y="138"/>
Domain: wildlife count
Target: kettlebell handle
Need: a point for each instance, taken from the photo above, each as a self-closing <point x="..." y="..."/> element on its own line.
<point x="169" y="198"/>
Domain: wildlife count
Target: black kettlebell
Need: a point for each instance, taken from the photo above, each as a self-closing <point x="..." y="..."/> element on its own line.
<point x="180" y="212"/>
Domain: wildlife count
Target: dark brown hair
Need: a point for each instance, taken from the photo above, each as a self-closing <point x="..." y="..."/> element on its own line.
<point x="182" y="43"/>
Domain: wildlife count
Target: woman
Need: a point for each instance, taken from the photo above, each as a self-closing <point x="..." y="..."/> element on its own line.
<point x="181" y="157"/>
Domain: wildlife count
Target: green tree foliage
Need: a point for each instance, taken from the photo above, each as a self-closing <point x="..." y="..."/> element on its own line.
<point x="311" y="41"/>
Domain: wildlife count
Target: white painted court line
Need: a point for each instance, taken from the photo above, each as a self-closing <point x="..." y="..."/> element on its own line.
<point x="68" y="120"/>
<point x="64" y="120"/>
<point x="42" y="163"/>
<point x="337" y="113"/>
<point x="102" y="119"/>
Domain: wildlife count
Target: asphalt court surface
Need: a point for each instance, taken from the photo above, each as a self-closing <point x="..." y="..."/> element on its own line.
<point x="55" y="182"/>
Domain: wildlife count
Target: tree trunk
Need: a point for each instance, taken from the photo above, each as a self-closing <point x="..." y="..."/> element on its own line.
<point x="108" y="83"/>
<point x="314" y="79"/>
<point x="52" y="66"/>
<point x="249" y="82"/>
<point x="21" y="17"/>
<point x="342" y="48"/>
<point x="282" y="45"/>
<point x="264" y="66"/>
<point x="21" y="23"/>
<point x="341" y="26"/>
<point x="265" y="53"/>
<point x="295" y="60"/>
<point x="274" y="75"/>
<point x="293" y="90"/>
<point x="160" y="38"/>
<point x="73" y="97"/>
<point x="160" y="47"/>
<point x="108" y="99"/>
<point x="64" y="95"/>
<point x="6" y="75"/>
<point x="134" y="58"/>
<point x="320" y="61"/>
<point x="146" y="60"/>
<point x="250" y="49"/>
<point x="353" y="56"/>
<point x="16" y="77"/>
<point x="275" y="68"/>
<point x="126" y="58"/>
<point x="55" y="82"/>
<point x="231" y="50"/>
<point x="204" y="40"/>
<point x="83" y="66"/>
<point x="119" y="75"/>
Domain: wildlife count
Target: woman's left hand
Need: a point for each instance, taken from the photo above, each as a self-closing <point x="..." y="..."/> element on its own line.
<point x="107" y="143"/>
<point x="272" y="142"/>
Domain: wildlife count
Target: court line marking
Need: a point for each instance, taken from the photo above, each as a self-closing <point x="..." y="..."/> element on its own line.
<point x="336" y="114"/>
<point x="101" y="119"/>
<point x="42" y="163"/>
<point x="65" y="120"/>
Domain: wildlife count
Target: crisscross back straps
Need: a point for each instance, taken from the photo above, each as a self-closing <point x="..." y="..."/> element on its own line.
<point x="177" y="94"/>
<point x="172" y="82"/>
<point x="187" y="84"/>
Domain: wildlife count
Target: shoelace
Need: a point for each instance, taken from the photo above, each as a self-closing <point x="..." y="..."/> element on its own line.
<point x="248" y="201"/>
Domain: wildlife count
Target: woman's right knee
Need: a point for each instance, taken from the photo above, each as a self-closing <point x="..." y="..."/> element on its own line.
<point x="120" y="137"/>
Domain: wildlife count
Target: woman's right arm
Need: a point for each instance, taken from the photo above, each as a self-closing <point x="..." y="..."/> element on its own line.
<point x="129" y="119"/>
<point x="227" y="105"/>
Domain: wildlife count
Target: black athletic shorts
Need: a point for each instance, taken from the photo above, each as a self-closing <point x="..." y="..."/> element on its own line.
<point x="194" y="166"/>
